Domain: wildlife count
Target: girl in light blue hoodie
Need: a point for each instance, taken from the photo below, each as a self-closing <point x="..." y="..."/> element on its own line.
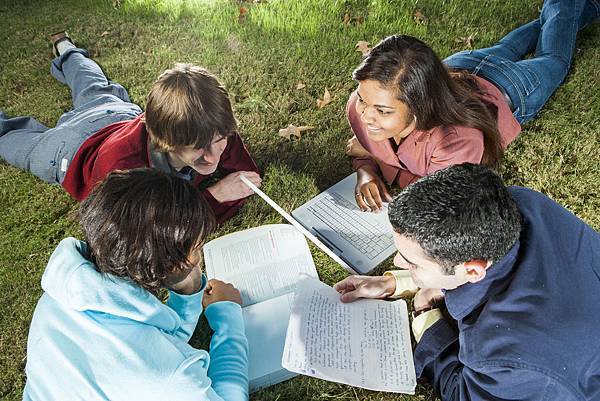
<point x="99" y="332"/>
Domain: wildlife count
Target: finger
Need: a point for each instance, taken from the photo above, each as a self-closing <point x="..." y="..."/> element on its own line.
<point x="376" y="197"/>
<point x="350" y="296"/>
<point x="250" y="174"/>
<point x="343" y="285"/>
<point x="255" y="180"/>
<point x="360" y="201"/>
<point x="208" y="288"/>
<point x="386" y="195"/>
<point x="368" y="195"/>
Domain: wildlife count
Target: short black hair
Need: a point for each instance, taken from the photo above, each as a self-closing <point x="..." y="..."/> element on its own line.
<point x="457" y="214"/>
<point x="143" y="224"/>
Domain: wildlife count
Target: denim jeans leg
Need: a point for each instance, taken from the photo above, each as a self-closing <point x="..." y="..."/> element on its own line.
<point x="84" y="77"/>
<point x="590" y="13"/>
<point x="19" y="136"/>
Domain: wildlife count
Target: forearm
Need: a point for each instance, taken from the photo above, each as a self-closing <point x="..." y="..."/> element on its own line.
<point x="228" y="368"/>
<point x="188" y="308"/>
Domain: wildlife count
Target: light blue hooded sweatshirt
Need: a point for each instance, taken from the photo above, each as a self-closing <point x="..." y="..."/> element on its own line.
<point x="99" y="337"/>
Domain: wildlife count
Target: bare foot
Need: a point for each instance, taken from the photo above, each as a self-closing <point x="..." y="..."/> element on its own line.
<point x="355" y="149"/>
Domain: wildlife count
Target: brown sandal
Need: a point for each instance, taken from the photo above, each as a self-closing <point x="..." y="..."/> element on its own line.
<point x="58" y="37"/>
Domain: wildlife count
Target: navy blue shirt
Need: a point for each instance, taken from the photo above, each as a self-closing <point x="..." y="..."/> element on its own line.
<point x="530" y="330"/>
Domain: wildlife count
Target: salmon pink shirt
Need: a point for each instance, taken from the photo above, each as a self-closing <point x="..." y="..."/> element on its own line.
<point x="424" y="152"/>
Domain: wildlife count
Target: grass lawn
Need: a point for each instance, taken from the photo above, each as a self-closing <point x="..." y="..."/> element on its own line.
<point x="261" y="57"/>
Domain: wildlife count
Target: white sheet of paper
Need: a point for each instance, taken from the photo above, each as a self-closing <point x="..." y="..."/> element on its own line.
<point x="365" y="343"/>
<point x="262" y="262"/>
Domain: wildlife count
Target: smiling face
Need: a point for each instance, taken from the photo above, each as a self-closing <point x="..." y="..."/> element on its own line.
<point x="385" y="116"/>
<point x="205" y="161"/>
<point x="426" y="272"/>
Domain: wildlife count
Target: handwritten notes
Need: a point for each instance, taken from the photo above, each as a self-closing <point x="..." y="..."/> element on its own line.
<point x="365" y="343"/>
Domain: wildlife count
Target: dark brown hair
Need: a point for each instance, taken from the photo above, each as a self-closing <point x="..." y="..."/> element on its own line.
<point x="143" y="224"/>
<point x="188" y="106"/>
<point x="434" y="96"/>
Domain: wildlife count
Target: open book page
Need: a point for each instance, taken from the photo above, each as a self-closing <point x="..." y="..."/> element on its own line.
<point x="266" y="325"/>
<point x="365" y="343"/>
<point x="261" y="262"/>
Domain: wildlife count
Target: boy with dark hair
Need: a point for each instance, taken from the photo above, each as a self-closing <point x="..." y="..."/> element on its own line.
<point x="517" y="276"/>
<point x="188" y="129"/>
<point x="100" y="332"/>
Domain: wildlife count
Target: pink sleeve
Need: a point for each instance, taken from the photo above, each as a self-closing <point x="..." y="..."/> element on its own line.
<point x="456" y="148"/>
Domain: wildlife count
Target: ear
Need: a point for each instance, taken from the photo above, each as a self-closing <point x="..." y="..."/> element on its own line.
<point x="476" y="269"/>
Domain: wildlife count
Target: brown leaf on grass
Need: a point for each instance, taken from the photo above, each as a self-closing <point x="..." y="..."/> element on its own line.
<point x="349" y="19"/>
<point x="19" y="89"/>
<point x="363" y="47"/>
<point x="467" y="41"/>
<point x="325" y="101"/>
<point x="105" y="33"/>
<point x="116" y="3"/>
<point x="290" y="130"/>
<point x="300" y="85"/>
<point x="346" y="19"/>
<point x="242" y="15"/>
<point x="419" y="17"/>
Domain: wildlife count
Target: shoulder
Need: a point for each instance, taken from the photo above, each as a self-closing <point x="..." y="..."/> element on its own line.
<point x="456" y="138"/>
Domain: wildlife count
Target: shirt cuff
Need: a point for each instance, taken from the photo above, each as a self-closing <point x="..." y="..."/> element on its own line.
<point x="225" y="317"/>
<point x="405" y="286"/>
<point x="424" y="321"/>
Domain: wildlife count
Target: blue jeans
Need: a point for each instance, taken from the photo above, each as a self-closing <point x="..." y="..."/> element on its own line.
<point x="46" y="152"/>
<point x="529" y="83"/>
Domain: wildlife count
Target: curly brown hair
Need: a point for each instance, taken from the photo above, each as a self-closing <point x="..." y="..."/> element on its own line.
<point x="143" y="224"/>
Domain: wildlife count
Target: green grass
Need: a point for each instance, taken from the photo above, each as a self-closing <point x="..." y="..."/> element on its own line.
<point x="261" y="60"/>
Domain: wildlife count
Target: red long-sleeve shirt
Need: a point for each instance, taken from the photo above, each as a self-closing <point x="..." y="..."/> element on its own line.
<point x="125" y="145"/>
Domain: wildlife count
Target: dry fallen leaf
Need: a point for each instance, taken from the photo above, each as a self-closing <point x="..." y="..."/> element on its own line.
<point x="346" y="19"/>
<point x="466" y="41"/>
<point x="242" y="15"/>
<point x="19" y="89"/>
<point x="300" y="85"/>
<point x="363" y="47"/>
<point x="103" y="34"/>
<point x="325" y="101"/>
<point x="290" y="130"/>
<point x="419" y="17"/>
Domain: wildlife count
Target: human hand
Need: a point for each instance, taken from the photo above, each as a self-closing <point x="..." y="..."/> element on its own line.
<point x="231" y="187"/>
<point x="370" y="191"/>
<point x="355" y="149"/>
<point x="427" y="297"/>
<point x="355" y="287"/>
<point x="217" y="291"/>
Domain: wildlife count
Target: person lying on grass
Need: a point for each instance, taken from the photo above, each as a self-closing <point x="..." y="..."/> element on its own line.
<point x="100" y="332"/>
<point x="508" y="307"/>
<point x="188" y="129"/>
<point x="413" y="114"/>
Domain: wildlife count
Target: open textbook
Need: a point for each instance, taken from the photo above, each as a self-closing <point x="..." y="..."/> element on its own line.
<point x="263" y="263"/>
<point x="365" y="343"/>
